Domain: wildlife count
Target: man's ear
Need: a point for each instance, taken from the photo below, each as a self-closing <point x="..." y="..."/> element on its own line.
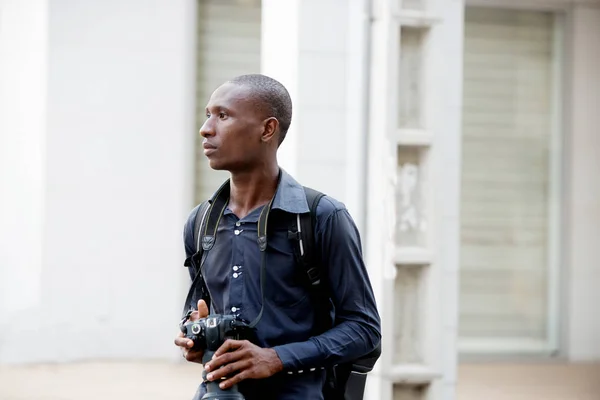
<point x="271" y="127"/>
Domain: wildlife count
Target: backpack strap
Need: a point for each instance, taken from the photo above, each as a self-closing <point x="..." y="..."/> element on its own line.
<point x="195" y="263"/>
<point x="200" y="218"/>
<point x="346" y="380"/>
<point x="206" y="234"/>
<point x="309" y="259"/>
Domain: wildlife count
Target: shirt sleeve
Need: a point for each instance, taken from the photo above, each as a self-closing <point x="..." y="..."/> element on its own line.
<point x="357" y="327"/>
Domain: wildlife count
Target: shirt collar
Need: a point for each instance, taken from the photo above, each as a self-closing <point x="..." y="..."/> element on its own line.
<point x="289" y="196"/>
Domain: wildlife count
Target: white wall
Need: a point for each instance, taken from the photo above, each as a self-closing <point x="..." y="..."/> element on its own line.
<point x="118" y="183"/>
<point x="583" y="188"/>
<point x="23" y="69"/>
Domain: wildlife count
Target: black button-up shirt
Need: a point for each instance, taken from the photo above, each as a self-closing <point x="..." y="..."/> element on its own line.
<point x="232" y="274"/>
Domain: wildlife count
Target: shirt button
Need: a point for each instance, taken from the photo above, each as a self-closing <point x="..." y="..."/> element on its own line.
<point x="234" y="309"/>
<point x="238" y="223"/>
<point x="235" y="267"/>
<point x="236" y="232"/>
<point x="235" y="275"/>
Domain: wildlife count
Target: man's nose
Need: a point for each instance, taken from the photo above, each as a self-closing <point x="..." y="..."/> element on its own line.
<point x="207" y="128"/>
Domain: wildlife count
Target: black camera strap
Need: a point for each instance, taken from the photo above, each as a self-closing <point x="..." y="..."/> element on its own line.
<point x="205" y="210"/>
<point x="262" y="245"/>
<point x="207" y="234"/>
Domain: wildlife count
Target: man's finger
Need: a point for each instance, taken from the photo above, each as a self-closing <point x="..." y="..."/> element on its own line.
<point x="229" y="370"/>
<point x="234" y="380"/>
<point x="202" y="309"/>
<point x="229" y="345"/>
<point x="184" y="342"/>
<point x="191" y="355"/>
<point x="224" y="359"/>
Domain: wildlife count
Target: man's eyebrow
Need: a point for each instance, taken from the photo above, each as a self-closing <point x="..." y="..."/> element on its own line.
<point x="217" y="107"/>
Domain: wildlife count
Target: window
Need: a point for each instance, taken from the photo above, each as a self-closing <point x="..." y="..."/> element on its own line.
<point x="508" y="184"/>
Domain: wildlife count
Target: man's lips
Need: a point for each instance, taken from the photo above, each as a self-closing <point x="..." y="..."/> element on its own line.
<point x="208" y="148"/>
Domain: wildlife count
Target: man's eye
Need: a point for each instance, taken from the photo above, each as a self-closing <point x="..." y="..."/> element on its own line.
<point x="222" y="115"/>
<point x="207" y="115"/>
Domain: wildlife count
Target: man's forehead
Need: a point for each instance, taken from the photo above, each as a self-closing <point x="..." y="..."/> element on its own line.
<point x="229" y="93"/>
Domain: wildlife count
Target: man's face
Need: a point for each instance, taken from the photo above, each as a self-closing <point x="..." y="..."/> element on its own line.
<point x="232" y="130"/>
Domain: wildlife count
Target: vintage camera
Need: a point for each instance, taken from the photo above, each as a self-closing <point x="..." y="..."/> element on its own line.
<point x="208" y="334"/>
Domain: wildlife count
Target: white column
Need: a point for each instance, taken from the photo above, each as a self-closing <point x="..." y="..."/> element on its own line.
<point x="357" y="110"/>
<point x="380" y="208"/>
<point x="279" y="60"/>
<point x="23" y="83"/>
<point x="583" y="187"/>
<point x="445" y="116"/>
<point x="305" y="45"/>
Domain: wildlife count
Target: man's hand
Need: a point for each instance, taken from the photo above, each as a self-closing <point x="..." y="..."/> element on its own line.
<point x="241" y="360"/>
<point x="187" y="344"/>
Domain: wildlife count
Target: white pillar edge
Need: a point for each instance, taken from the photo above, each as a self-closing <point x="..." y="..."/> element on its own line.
<point x="279" y="60"/>
<point x="23" y="103"/>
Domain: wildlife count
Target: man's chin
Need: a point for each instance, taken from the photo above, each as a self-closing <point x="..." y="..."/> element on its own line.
<point x="217" y="166"/>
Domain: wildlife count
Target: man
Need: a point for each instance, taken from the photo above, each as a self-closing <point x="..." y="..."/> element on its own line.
<point x="247" y="119"/>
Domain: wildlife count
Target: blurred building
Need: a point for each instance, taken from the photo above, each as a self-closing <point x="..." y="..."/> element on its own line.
<point x="464" y="139"/>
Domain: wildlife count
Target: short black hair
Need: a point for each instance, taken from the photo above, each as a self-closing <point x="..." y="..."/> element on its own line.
<point x="272" y="95"/>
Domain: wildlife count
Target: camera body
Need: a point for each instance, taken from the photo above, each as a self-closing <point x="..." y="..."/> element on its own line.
<point x="208" y="334"/>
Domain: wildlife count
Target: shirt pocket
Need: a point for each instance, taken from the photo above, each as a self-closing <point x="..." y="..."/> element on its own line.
<point x="286" y="285"/>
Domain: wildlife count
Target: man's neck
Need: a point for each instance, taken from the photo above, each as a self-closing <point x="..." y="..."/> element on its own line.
<point x="252" y="189"/>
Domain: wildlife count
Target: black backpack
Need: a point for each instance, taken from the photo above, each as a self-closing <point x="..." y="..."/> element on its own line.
<point x="344" y="381"/>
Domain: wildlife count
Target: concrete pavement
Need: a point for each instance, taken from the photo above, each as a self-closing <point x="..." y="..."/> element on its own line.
<point x="173" y="381"/>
